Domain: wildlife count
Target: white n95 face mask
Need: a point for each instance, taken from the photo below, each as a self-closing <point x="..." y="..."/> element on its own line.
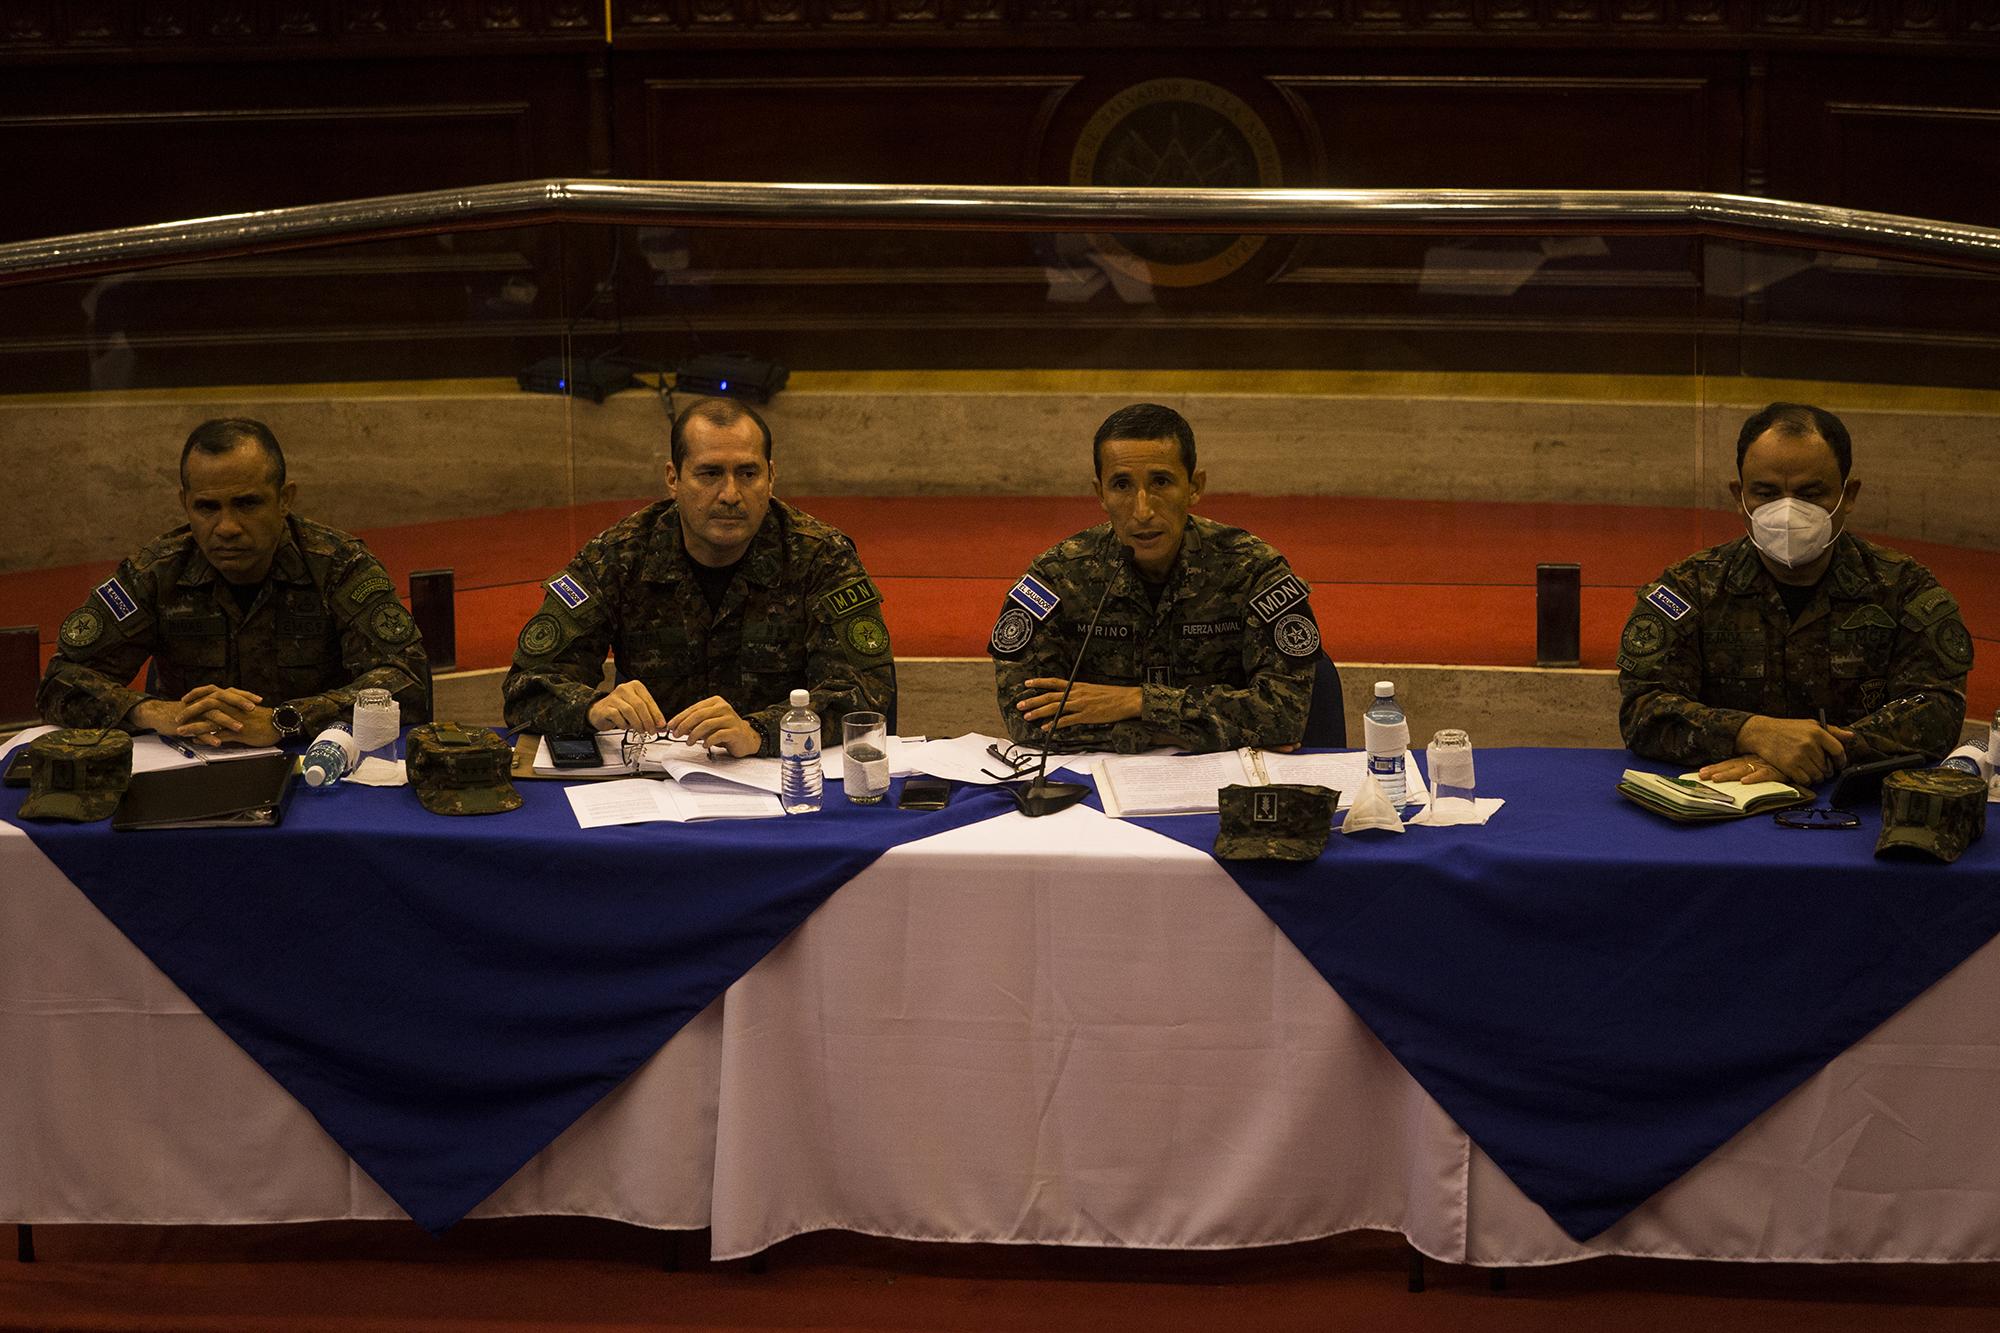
<point x="1791" y="531"/>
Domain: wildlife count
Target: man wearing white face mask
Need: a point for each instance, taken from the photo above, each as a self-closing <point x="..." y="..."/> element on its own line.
<point x="1799" y="649"/>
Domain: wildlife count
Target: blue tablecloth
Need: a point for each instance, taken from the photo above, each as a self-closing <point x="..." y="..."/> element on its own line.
<point x="1599" y="997"/>
<point x="447" y="995"/>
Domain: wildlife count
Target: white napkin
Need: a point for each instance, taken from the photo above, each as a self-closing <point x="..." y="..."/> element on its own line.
<point x="1372" y="810"/>
<point x="375" y="771"/>
<point x="1475" y="811"/>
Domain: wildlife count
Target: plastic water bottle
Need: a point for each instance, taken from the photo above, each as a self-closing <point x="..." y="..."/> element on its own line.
<point x="798" y="752"/>
<point x="330" y="756"/>
<point x="1386" y="735"/>
<point x="1972" y="757"/>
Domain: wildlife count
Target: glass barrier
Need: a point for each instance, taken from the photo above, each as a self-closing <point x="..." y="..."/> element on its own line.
<point x="1417" y="422"/>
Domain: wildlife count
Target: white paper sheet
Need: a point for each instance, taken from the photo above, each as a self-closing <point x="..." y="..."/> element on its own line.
<point x="1443" y="814"/>
<point x="1167" y="784"/>
<point x="375" y="771"/>
<point x="648" y="801"/>
<point x="1343" y="772"/>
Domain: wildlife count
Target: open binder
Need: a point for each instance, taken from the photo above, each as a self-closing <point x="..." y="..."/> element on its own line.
<point x="244" y="793"/>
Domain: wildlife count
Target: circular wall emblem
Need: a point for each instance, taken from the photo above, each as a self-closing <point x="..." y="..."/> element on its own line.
<point x="82" y="628"/>
<point x="1013" y="631"/>
<point x="390" y="623"/>
<point x="1296" y="635"/>
<point x="867" y="636"/>
<point x="1176" y="133"/>
<point x="540" y="636"/>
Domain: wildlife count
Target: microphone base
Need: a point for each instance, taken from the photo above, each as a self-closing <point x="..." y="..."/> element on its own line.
<point x="1038" y="798"/>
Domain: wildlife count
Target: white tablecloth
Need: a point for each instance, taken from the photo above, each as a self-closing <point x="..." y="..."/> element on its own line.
<point x="1070" y="1031"/>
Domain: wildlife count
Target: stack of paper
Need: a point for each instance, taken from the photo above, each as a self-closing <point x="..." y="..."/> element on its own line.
<point x="649" y="800"/>
<point x="1188" y="784"/>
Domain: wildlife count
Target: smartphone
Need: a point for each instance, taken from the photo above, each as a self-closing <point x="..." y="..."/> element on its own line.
<point x="924" y="793"/>
<point x="574" y="752"/>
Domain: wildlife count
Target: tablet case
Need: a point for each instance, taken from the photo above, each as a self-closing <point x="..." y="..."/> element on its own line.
<point x="239" y="793"/>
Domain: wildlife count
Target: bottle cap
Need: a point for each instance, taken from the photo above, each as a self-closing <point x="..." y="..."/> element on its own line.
<point x="315" y="775"/>
<point x="1385" y="689"/>
<point x="802" y="698"/>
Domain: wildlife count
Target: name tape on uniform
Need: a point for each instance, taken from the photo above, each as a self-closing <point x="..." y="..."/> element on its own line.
<point x="849" y="598"/>
<point x="571" y="592"/>
<point x="1204" y="629"/>
<point x="1034" y="597"/>
<point x="1277" y="598"/>
<point x="114" y="595"/>
<point x="1667" y="600"/>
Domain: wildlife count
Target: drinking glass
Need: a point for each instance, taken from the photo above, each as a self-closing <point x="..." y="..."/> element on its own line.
<point x="864" y="757"/>
<point x="1449" y="762"/>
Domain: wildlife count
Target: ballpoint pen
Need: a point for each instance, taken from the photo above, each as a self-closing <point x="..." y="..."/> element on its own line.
<point x="176" y="743"/>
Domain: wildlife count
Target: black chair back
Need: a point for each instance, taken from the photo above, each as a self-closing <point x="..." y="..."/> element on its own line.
<point x="1326" y="715"/>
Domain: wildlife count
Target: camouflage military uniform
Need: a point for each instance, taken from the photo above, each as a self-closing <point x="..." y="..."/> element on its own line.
<point x="1879" y="649"/>
<point x="325" y="623"/>
<point x="800" y="613"/>
<point x="1225" y="660"/>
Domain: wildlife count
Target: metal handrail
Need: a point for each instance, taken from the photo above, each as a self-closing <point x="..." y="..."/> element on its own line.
<point x="1007" y="208"/>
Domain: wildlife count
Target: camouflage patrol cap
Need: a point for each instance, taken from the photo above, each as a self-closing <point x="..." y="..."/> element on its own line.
<point x="1936" y="811"/>
<point x="77" y="774"/>
<point x="461" y="770"/>
<point x="1281" y="822"/>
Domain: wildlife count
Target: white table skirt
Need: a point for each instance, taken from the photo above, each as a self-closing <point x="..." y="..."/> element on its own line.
<point x="1099" y="1041"/>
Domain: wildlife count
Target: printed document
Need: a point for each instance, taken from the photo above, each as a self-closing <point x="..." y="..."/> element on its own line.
<point x="650" y="801"/>
<point x="1188" y="784"/>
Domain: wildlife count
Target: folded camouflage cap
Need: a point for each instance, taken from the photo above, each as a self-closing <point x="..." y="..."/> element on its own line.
<point x="1938" y="812"/>
<point x="461" y="770"/>
<point x="77" y="774"/>
<point x="1282" y="822"/>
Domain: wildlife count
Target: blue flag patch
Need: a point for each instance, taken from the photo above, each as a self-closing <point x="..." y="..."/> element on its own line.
<point x="114" y="595"/>
<point x="1034" y="597"/>
<point x="571" y="592"/>
<point x="1667" y="600"/>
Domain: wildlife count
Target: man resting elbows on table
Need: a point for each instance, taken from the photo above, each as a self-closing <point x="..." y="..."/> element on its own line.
<point x="1206" y="640"/>
<point x="1800" y="649"/>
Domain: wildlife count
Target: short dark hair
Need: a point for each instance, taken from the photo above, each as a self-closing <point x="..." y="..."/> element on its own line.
<point x="722" y="412"/>
<point x="1798" y="421"/>
<point x="224" y="434"/>
<point x="1144" y="421"/>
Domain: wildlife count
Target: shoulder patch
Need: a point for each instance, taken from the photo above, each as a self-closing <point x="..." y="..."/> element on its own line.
<point x="1670" y="603"/>
<point x="849" y="598"/>
<point x="121" y="603"/>
<point x="566" y="589"/>
<point x="365" y="587"/>
<point x="866" y="638"/>
<point x="390" y="623"/>
<point x="1277" y="597"/>
<point x="83" y="628"/>
<point x="1929" y="607"/>
<point x="1034" y="597"/>
<point x="1012" y="632"/>
<point x="1644" y="635"/>
<point x="1295" y="635"/>
<point x="1953" y="644"/>
<point x="541" y="636"/>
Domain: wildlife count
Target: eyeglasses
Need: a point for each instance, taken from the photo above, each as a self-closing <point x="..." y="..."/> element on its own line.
<point x="1818" y="817"/>
<point x="1018" y="760"/>
<point x="632" y="749"/>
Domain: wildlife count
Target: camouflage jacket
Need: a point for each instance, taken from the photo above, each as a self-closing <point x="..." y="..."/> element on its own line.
<point x="1879" y="649"/>
<point x="1225" y="660"/>
<point x="800" y="613"/>
<point x="325" y="623"/>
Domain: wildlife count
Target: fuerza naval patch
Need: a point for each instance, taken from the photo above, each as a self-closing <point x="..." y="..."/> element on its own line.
<point x="1670" y="603"/>
<point x="123" y="608"/>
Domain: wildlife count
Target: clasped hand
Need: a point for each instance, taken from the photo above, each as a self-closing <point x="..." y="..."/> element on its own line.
<point x="210" y="715"/>
<point x="712" y="724"/>
<point x="1783" y="749"/>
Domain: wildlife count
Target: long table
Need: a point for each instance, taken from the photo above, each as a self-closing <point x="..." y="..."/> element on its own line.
<point x="1070" y="1031"/>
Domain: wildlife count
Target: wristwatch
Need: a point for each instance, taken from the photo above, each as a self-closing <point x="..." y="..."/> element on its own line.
<point x="288" y="721"/>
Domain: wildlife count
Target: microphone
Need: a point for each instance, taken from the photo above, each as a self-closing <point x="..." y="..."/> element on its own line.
<point x="1040" y="796"/>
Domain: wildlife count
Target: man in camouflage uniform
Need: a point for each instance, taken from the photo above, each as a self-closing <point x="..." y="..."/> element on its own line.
<point x="261" y="626"/>
<point x="1205" y="640"/>
<point x="1801" y="648"/>
<point x="715" y="604"/>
